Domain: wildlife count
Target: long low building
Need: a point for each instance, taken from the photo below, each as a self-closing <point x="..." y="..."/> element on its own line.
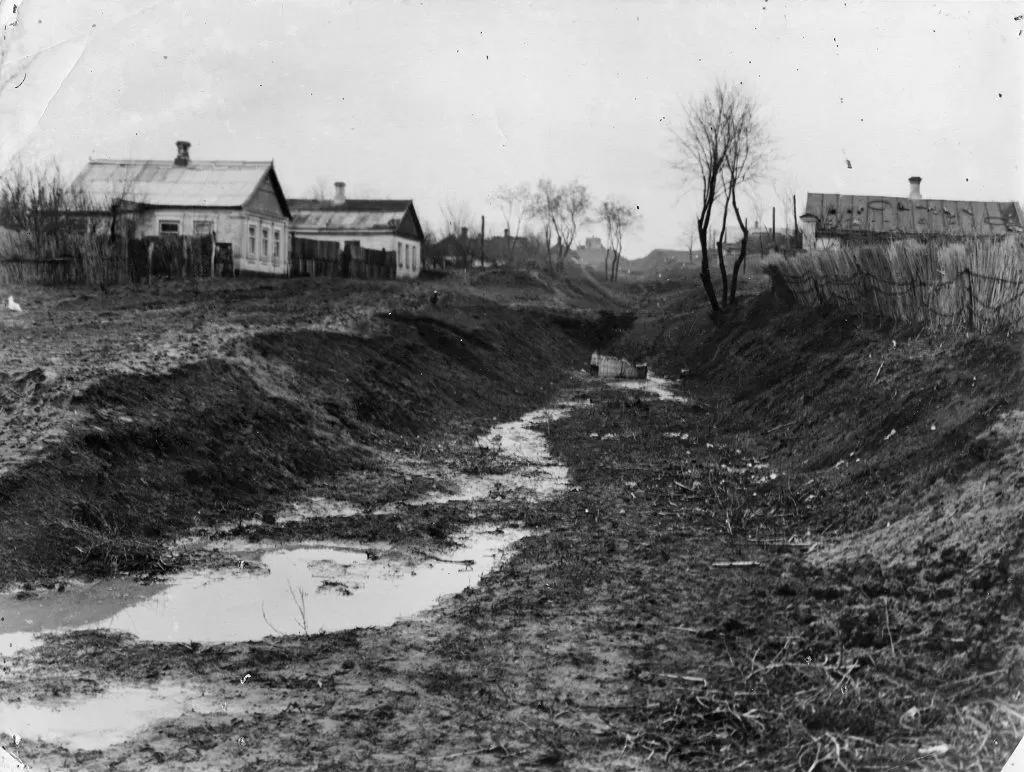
<point x="388" y="224"/>
<point x="832" y="219"/>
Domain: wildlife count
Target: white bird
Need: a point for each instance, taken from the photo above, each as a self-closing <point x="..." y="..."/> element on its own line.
<point x="12" y="305"/>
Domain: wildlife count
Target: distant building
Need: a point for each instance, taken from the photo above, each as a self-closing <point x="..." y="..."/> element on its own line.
<point x="453" y="251"/>
<point x="463" y="250"/>
<point x="386" y="224"/>
<point x="239" y="201"/>
<point x="593" y="254"/>
<point x="832" y="220"/>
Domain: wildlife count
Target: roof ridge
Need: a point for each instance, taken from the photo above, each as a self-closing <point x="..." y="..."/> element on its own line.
<point x="328" y="201"/>
<point x="908" y="198"/>
<point x="162" y="162"/>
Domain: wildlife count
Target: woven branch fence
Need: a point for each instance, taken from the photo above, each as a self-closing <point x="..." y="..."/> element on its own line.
<point x="976" y="285"/>
<point x="93" y="260"/>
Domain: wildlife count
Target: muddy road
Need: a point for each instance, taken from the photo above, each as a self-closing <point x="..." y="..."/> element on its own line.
<point x="424" y="539"/>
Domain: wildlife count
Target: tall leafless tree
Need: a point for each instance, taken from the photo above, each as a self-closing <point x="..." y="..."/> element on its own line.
<point x="722" y="143"/>
<point x="543" y="203"/>
<point x="745" y="162"/>
<point x="514" y="204"/>
<point x="454" y="216"/>
<point x="560" y="210"/>
<point x="617" y="218"/>
<point x="456" y="220"/>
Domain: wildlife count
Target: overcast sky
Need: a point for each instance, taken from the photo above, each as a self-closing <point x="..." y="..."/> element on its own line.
<point x="448" y="99"/>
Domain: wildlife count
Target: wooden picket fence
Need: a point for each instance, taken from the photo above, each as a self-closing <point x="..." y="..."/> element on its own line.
<point x="310" y="257"/>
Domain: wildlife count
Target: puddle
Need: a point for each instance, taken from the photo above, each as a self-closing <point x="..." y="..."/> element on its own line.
<point x="652" y="385"/>
<point x="298" y="589"/>
<point x="521" y="441"/>
<point x="79" y="606"/>
<point x="301" y="588"/>
<point x="95" y="722"/>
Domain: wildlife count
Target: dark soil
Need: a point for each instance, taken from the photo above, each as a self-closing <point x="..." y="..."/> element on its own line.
<point x="231" y="438"/>
<point x="793" y="570"/>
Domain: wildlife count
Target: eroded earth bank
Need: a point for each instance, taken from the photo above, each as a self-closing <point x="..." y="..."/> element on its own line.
<point x="333" y="526"/>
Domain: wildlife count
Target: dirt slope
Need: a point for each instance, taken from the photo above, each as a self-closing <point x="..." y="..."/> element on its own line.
<point x="233" y="402"/>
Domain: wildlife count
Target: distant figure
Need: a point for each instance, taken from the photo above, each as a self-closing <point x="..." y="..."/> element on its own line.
<point x="12" y="305"/>
<point x="434" y="298"/>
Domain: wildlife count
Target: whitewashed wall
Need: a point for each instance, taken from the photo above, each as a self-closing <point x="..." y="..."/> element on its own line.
<point x="231" y="227"/>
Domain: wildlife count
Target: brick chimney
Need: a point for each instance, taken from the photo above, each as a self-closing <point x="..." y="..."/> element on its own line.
<point x="339" y="192"/>
<point x="182" y="159"/>
<point x="915" y="188"/>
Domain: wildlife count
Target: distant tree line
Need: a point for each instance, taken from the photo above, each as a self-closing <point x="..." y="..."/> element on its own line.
<point x="541" y="223"/>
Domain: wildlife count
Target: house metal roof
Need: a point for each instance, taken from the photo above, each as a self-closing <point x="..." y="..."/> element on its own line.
<point x="222" y="184"/>
<point x="848" y="215"/>
<point x="352" y="215"/>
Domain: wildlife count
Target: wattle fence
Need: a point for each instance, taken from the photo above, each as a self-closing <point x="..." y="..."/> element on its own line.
<point x="975" y="285"/>
<point x="92" y="260"/>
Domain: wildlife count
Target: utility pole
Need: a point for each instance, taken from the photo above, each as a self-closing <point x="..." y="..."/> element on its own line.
<point x="481" y="241"/>
<point x="773" y="227"/>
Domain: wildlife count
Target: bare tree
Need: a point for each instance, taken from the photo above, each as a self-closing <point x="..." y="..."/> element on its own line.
<point x="722" y="143"/>
<point x="320" y="190"/>
<point x="455" y="221"/>
<point x="454" y="216"/>
<point x="514" y="205"/>
<point x="430" y="255"/>
<point x="745" y="161"/>
<point x="42" y="205"/>
<point x="786" y="193"/>
<point x="617" y="218"/>
<point x="560" y="210"/>
<point x="543" y="203"/>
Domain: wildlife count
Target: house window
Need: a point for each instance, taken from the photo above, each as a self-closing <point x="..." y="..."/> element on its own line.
<point x="266" y="242"/>
<point x="169" y="228"/>
<point x="202" y="227"/>
<point x="277" y="244"/>
<point x="252" y="241"/>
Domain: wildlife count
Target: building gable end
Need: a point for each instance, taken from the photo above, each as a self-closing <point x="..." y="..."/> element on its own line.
<point x="268" y="197"/>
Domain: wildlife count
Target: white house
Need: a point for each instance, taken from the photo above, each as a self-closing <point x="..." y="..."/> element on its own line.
<point x="386" y="224"/>
<point x="240" y="201"/>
